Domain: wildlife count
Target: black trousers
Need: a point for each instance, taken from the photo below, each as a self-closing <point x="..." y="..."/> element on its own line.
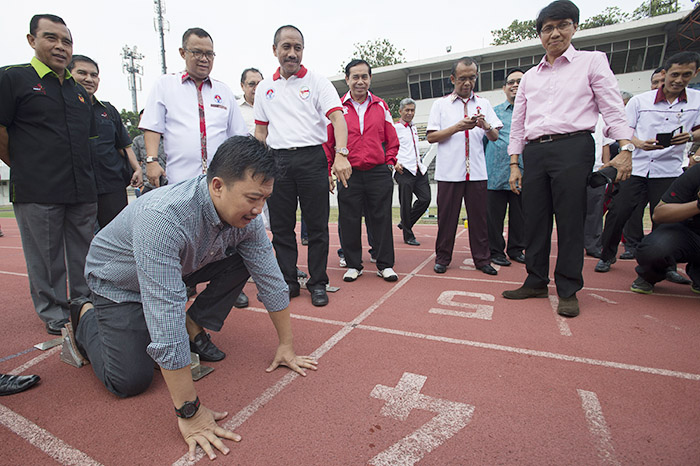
<point x="115" y="335"/>
<point x="498" y="201"/>
<point x="305" y="179"/>
<point x="411" y="212"/>
<point x="109" y="205"/>
<point x="666" y="246"/>
<point x="594" y="219"/>
<point x="631" y="193"/>
<point x="372" y="189"/>
<point x="554" y="186"/>
<point x="449" y="201"/>
<point x="633" y="230"/>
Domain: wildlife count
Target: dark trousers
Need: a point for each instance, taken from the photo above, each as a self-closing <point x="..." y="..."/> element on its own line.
<point x="55" y="241"/>
<point x="449" y="201"/>
<point x="666" y="246"/>
<point x="633" y="231"/>
<point x="498" y="200"/>
<point x="554" y="184"/>
<point x="372" y="251"/>
<point x="114" y="336"/>
<point x="411" y="212"/>
<point x="371" y="189"/>
<point x="109" y="205"/>
<point x="631" y="193"/>
<point x="594" y="219"/>
<point x="305" y="179"/>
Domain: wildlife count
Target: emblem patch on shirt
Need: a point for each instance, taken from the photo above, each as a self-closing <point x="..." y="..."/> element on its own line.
<point x="345" y="110"/>
<point x="104" y="115"/>
<point x="81" y="98"/>
<point x="270" y="94"/>
<point x="304" y="92"/>
<point x="217" y="98"/>
<point x="39" y="88"/>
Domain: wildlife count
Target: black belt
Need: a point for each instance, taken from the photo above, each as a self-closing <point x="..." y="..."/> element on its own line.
<point x="298" y="148"/>
<point x="556" y="137"/>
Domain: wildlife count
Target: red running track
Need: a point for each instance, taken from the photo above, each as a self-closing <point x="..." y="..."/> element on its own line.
<point x="432" y="369"/>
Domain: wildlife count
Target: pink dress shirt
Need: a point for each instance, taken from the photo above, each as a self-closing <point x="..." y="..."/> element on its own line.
<point x="567" y="97"/>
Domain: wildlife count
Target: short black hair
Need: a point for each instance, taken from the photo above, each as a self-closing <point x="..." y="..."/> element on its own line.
<point x="355" y="62"/>
<point x="199" y="32"/>
<point x="681" y="58"/>
<point x="252" y="70"/>
<point x="279" y="30"/>
<point x="513" y="70"/>
<point x="466" y="61"/>
<point x="240" y="155"/>
<point x="34" y="22"/>
<point x="559" y="9"/>
<point x="658" y="70"/>
<point x="83" y="58"/>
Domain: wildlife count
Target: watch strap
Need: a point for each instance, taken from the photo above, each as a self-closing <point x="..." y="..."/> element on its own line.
<point x="183" y="411"/>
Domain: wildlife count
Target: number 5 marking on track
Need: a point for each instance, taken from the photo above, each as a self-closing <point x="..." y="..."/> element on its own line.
<point x="400" y="401"/>
<point x="481" y="311"/>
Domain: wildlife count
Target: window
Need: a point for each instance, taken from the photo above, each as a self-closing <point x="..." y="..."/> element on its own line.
<point x="635" y="60"/>
<point x="653" y="59"/>
<point x="425" y="90"/>
<point x="485" y="81"/>
<point x="499" y="77"/>
<point x="437" y="87"/>
<point x="617" y="62"/>
<point x="414" y="90"/>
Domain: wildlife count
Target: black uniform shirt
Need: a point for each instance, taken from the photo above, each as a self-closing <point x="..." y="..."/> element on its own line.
<point x="49" y="125"/>
<point x="685" y="189"/>
<point x="108" y="161"/>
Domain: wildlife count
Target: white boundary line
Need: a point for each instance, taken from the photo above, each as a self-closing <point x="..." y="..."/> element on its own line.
<point x="43" y="440"/>
<point x="244" y="414"/>
<point x="14" y="273"/>
<point x="564" y="328"/>
<point x="598" y="427"/>
<point x="34" y="361"/>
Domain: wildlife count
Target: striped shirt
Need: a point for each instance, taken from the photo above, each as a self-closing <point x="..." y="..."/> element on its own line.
<point x="144" y="253"/>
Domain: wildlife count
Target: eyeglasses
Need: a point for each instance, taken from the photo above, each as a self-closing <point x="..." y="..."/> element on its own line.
<point x="198" y="54"/>
<point x="513" y="82"/>
<point x="561" y="27"/>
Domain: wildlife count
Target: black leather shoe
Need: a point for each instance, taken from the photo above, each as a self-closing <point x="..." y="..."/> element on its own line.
<point x="520" y="258"/>
<point x="293" y="291"/>
<point x="54" y="327"/>
<point x="488" y="270"/>
<point x="627" y="256"/>
<point x="412" y="242"/>
<point x="301" y="274"/>
<point x="604" y="266"/>
<point x="502" y="261"/>
<point x="319" y="297"/>
<point x="11" y="384"/>
<point x="525" y="292"/>
<point x="595" y="254"/>
<point x="399" y="226"/>
<point x="674" y="277"/>
<point x="439" y="268"/>
<point x="241" y="301"/>
<point x="203" y="346"/>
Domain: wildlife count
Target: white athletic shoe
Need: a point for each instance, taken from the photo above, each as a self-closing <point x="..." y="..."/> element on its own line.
<point x="388" y="274"/>
<point x="342" y="262"/>
<point x="351" y="275"/>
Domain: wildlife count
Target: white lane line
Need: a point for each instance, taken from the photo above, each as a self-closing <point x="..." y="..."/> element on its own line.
<point x="302" y="317"/>
<point x="658" y="321"/>
<point x="43" y="440"/>
<point x="14" y="273"/>
<point x="541" y="354"/>
<point x="245" y="413"/>
<point x="598" y="427"/>
<point x="35" y="360"/>
<point x="10" y="247"/>
<point x="564" y="328"/>
<point x="602" y="298"/>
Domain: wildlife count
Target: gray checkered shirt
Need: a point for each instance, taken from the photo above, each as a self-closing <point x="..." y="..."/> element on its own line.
<point x="143" y="254"/>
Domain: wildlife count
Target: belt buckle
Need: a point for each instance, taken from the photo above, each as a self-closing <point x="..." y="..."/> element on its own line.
<point x="547" y="138"/>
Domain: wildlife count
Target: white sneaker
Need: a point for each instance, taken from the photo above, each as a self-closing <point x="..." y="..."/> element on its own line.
<point x="351" y="275"/>
<point x="342" y="262"/>
<point x="388" y="274"/>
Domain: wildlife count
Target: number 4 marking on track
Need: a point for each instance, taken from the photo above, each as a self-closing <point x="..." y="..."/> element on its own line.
<point x="400" y="401"/>
<point x="481" y="311"/>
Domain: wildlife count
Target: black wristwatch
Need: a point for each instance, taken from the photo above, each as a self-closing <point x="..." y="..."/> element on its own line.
<point x="188" y="409"/>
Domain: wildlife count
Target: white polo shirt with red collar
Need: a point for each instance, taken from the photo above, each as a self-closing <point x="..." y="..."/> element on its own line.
<point x="409" y="155"/>
<point x="650" y="113"/>
<point x="295" y="110"/>
<point x="173" y="110"/>
<point x="451" y="164"/>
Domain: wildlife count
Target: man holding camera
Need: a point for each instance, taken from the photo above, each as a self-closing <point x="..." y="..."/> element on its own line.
<point x="663" y="121"/>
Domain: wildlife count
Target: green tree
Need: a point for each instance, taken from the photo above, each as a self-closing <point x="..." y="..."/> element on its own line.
<point x="655" y="8"/>
<point x="131" y="121"/>
<point x="610" y="15"/>
<point x="517" y="31"/>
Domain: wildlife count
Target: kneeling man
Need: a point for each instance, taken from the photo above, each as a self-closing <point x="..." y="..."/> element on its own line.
<point x="206" y="229"/>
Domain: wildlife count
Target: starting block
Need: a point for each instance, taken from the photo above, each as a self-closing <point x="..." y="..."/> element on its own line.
<point x="45" y="345"/>
<point x="69" y="351"/>
<point x="198" y="370"/>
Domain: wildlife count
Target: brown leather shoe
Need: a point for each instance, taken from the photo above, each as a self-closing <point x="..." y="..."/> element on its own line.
<point x="524" y="293"/>
<point x="568" y="307"/>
